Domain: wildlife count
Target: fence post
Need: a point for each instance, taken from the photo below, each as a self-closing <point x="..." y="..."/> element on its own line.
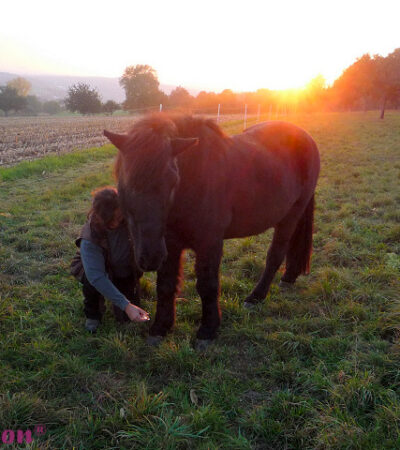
<point x="258" y="113"/>
<point x="160" y="107"/>
<point x="245" y="117"/>
<point x="219" y="108"/>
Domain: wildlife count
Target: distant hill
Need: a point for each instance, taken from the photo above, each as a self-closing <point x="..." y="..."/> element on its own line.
<point x="55" y="87"/>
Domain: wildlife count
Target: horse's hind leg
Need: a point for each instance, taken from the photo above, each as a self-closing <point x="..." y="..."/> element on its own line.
<point x="275" y="256"/>
<point x="277" y="252"/>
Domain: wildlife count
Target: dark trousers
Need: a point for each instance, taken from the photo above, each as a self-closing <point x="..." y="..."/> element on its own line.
<point x="94" y="306"/>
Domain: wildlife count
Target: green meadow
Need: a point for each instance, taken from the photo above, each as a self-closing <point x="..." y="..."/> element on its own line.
<point x="316" y="367"/>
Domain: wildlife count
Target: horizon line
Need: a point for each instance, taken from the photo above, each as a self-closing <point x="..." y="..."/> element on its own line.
<point x="193" y="88"/>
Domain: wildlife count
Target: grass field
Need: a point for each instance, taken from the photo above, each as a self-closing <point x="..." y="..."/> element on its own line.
<point x="313" y="368"/>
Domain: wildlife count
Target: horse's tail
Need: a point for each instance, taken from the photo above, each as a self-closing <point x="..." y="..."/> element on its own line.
<point x="300" y="247"/>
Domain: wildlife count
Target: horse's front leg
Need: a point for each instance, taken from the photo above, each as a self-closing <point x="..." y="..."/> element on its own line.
<point x="168" y="280"/>
<point x="207" y="270"/>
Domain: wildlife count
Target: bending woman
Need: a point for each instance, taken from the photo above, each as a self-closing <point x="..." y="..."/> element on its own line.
<point x="105" y="263"/>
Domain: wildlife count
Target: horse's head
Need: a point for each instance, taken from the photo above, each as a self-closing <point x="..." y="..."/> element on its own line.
<point x="148" y="177"/>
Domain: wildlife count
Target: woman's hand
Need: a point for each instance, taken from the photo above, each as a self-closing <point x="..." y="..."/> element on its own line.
<point x="136" y="314"/>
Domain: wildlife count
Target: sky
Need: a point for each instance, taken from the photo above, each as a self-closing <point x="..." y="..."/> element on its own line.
<point x="208" y="44"/>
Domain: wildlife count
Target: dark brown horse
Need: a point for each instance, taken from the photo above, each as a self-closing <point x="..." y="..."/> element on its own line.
<point x="184" y="184"/>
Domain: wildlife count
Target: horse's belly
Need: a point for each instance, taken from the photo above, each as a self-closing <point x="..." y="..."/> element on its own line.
<point x="239" y="231"/>
<point x="262" y="196"/>
<point x="256" y="218"/>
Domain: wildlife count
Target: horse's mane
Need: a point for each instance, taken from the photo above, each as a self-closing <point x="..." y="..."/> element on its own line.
<point x="201" y="127"/>
<point x="149" y="137"/>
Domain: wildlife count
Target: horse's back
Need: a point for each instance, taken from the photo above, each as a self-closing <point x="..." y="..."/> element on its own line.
<point x="275" y="129"/>
<point x="288" y="141"/>
<point x="273" y="165"/>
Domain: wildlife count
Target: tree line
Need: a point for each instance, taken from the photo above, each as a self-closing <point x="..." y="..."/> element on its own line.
<point x="371" y="82"/>
<point x="14" y="97"/>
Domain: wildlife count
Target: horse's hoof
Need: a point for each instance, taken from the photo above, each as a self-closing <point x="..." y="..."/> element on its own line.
<point x="286" y="285"/>
<point x="154" y="341"/>
<point x="202" y="345"/>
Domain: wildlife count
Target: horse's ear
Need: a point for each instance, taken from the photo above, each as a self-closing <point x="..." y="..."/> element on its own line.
<point x="179" y="145"/>
<point x="117" y="139"/>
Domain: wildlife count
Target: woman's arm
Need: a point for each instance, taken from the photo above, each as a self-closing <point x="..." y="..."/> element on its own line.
<point x="95" y="271"/>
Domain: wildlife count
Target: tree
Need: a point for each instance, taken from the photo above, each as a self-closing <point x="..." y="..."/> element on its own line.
<point x="141" y="84"/>
<point x="51" y="107"/>
<point x="264" y="97"/>
<point x="110" y="106"/>
<point x="357" y="83"/>
<point x="83" y="99"/>
<point x="180" y="97"/>
<point x="227" y="99"/>
<point x="388" y="77"/>
<point x="21" y="85"/>
<point x="10" y="100"/>
<point x="370" y="79"/>
<point x="314" y="93"/>
<point x="33" y="105"/>
<point x="206" y="100"/>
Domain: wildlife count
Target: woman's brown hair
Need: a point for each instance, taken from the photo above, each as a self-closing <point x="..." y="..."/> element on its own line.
<point x="105" y="202"/>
